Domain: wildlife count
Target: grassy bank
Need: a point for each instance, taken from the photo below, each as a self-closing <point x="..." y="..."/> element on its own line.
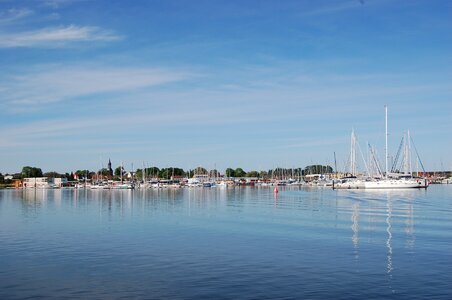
<point x="5" y="185"/>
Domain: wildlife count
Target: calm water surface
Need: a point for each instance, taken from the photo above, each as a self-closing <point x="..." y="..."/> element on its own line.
<point x="226" y="243"/>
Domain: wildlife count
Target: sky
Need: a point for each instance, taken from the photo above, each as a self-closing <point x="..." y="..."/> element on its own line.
<point x="250" y="84"/>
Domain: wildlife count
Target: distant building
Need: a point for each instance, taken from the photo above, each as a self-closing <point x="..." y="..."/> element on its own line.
<point x="201" y="177"/>
<point x="36" y="182"/>
<point x="44" y="182"/>
<point x="17" y="183"/>
<point x="59" y="182"/>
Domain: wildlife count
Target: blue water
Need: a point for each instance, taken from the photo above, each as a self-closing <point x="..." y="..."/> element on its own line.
<point x="230" y="243"/>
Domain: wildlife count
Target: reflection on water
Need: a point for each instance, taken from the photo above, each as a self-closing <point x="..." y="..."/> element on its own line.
<point x="225" y="243"/>
<point x="355" y="225"/>
<point x="388" y="230"/>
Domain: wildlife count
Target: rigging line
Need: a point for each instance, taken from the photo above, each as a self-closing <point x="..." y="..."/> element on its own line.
<point x="374" y="158"/>
<point x="394" y="165"/>
<point x="362" y="156"/>
<point x="417" y="154"/>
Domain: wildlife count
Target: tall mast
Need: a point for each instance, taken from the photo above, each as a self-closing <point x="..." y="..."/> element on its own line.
<point x="353" y="153"/>
<point x="386" y="140"/>
<point x="122" y="168"/>
<point x="410" y="169"/>
<point x="335" y="164"/>
<point x="144" y="173"/>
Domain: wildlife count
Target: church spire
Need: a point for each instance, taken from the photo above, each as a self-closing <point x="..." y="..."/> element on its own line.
<point x="110" y="170"/>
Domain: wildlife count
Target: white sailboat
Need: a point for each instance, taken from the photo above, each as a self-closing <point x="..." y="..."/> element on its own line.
<point x="397" y="180"/>
<point x="388" y="180"/>
<point x="351" y="181"/>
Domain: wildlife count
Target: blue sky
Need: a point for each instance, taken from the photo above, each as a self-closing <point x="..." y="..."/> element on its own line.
<point x="251" y="84"/>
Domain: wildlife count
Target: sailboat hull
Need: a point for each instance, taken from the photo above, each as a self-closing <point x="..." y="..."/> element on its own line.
<point x="412" y="183"/>
<point x="396" y="184"/>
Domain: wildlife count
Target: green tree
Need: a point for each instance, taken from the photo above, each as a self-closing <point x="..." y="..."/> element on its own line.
<point x="28" y="172"/>
<point x="52" y="174"/>
<point x="239" y="172"/>
<point x="152" y="172"/>
<point x="118" y="171"/>
<point x="2" y="178"/>
<point x="82" y="173"/>
<point x="230" y="172"/>
<point x="317" y="169"/>
<point x="170" y="172"/>
<point x="139" y="174"/>
<point x="179" y="172"/>
<point x="252" y="174"/>
<point x="164" y="173"/>
<point x="200" y="171"/>
<point x="104" y="172"/>
<point x="214" y="173"/>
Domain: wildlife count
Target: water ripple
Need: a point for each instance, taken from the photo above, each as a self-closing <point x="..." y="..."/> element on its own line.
<point x="234" y="243"/>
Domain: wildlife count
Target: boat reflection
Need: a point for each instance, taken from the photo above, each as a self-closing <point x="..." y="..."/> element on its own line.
<point x="388" y="230"/>
<point x="380" y="215"/>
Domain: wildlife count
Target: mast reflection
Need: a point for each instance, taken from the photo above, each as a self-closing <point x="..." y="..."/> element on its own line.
<point x="388" y="230"/>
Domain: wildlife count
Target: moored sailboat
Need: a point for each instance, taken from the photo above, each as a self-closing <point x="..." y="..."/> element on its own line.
<point x="388" y="180"/>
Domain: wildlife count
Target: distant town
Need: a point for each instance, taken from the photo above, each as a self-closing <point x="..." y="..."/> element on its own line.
<point x="175" y="177"/>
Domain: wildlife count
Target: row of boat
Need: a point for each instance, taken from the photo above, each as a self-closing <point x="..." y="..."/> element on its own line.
<point x="158" y="184"/>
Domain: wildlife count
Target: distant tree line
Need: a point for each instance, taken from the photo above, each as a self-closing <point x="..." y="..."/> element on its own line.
<point x="171" y="172"/>
<point x="317" y="169"/>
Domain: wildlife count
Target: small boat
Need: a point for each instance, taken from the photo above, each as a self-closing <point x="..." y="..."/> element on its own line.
<point x="122" y="186"/>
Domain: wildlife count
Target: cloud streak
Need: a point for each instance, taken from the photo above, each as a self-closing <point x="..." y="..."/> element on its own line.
<point x="59" y="83"/>
<point x="56" y="37"/>
<point x="14" y="14"/>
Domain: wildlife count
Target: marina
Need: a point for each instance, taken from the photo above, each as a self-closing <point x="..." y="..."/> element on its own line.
<point x="201" y="150"/>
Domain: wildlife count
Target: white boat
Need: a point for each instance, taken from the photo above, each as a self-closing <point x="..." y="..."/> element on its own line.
<point x="447" y="180"/>
<point x="194" y="182"/>
<point x="396" y="183"/>
<point x="351" y="182"/>
<point x="221" y="184"/>
<point x="122" y="186"/>
<point x="100" y="186"/>
<point x="389" y="180"/>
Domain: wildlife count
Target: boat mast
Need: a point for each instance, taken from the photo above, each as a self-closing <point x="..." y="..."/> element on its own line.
<point x="144" y="173"/>
<point x="386" y="140"/>
<point x="353" y="154"/>
<point x="122" y="168"/>
<point x="410" y="169"/>
<point x="335" y="164"/>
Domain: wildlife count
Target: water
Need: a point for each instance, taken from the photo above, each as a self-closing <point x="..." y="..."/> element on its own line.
<point x="226" y="243"/>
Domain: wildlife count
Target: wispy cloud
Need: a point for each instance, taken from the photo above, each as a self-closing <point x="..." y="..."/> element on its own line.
<point x="55" y="37"/>
<point x="14" y="14"/>
<point x="55" y="4"/>
<point x="91" y="129"/>
<point x="332" y="7"/>
<point x="56" y="83"/>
